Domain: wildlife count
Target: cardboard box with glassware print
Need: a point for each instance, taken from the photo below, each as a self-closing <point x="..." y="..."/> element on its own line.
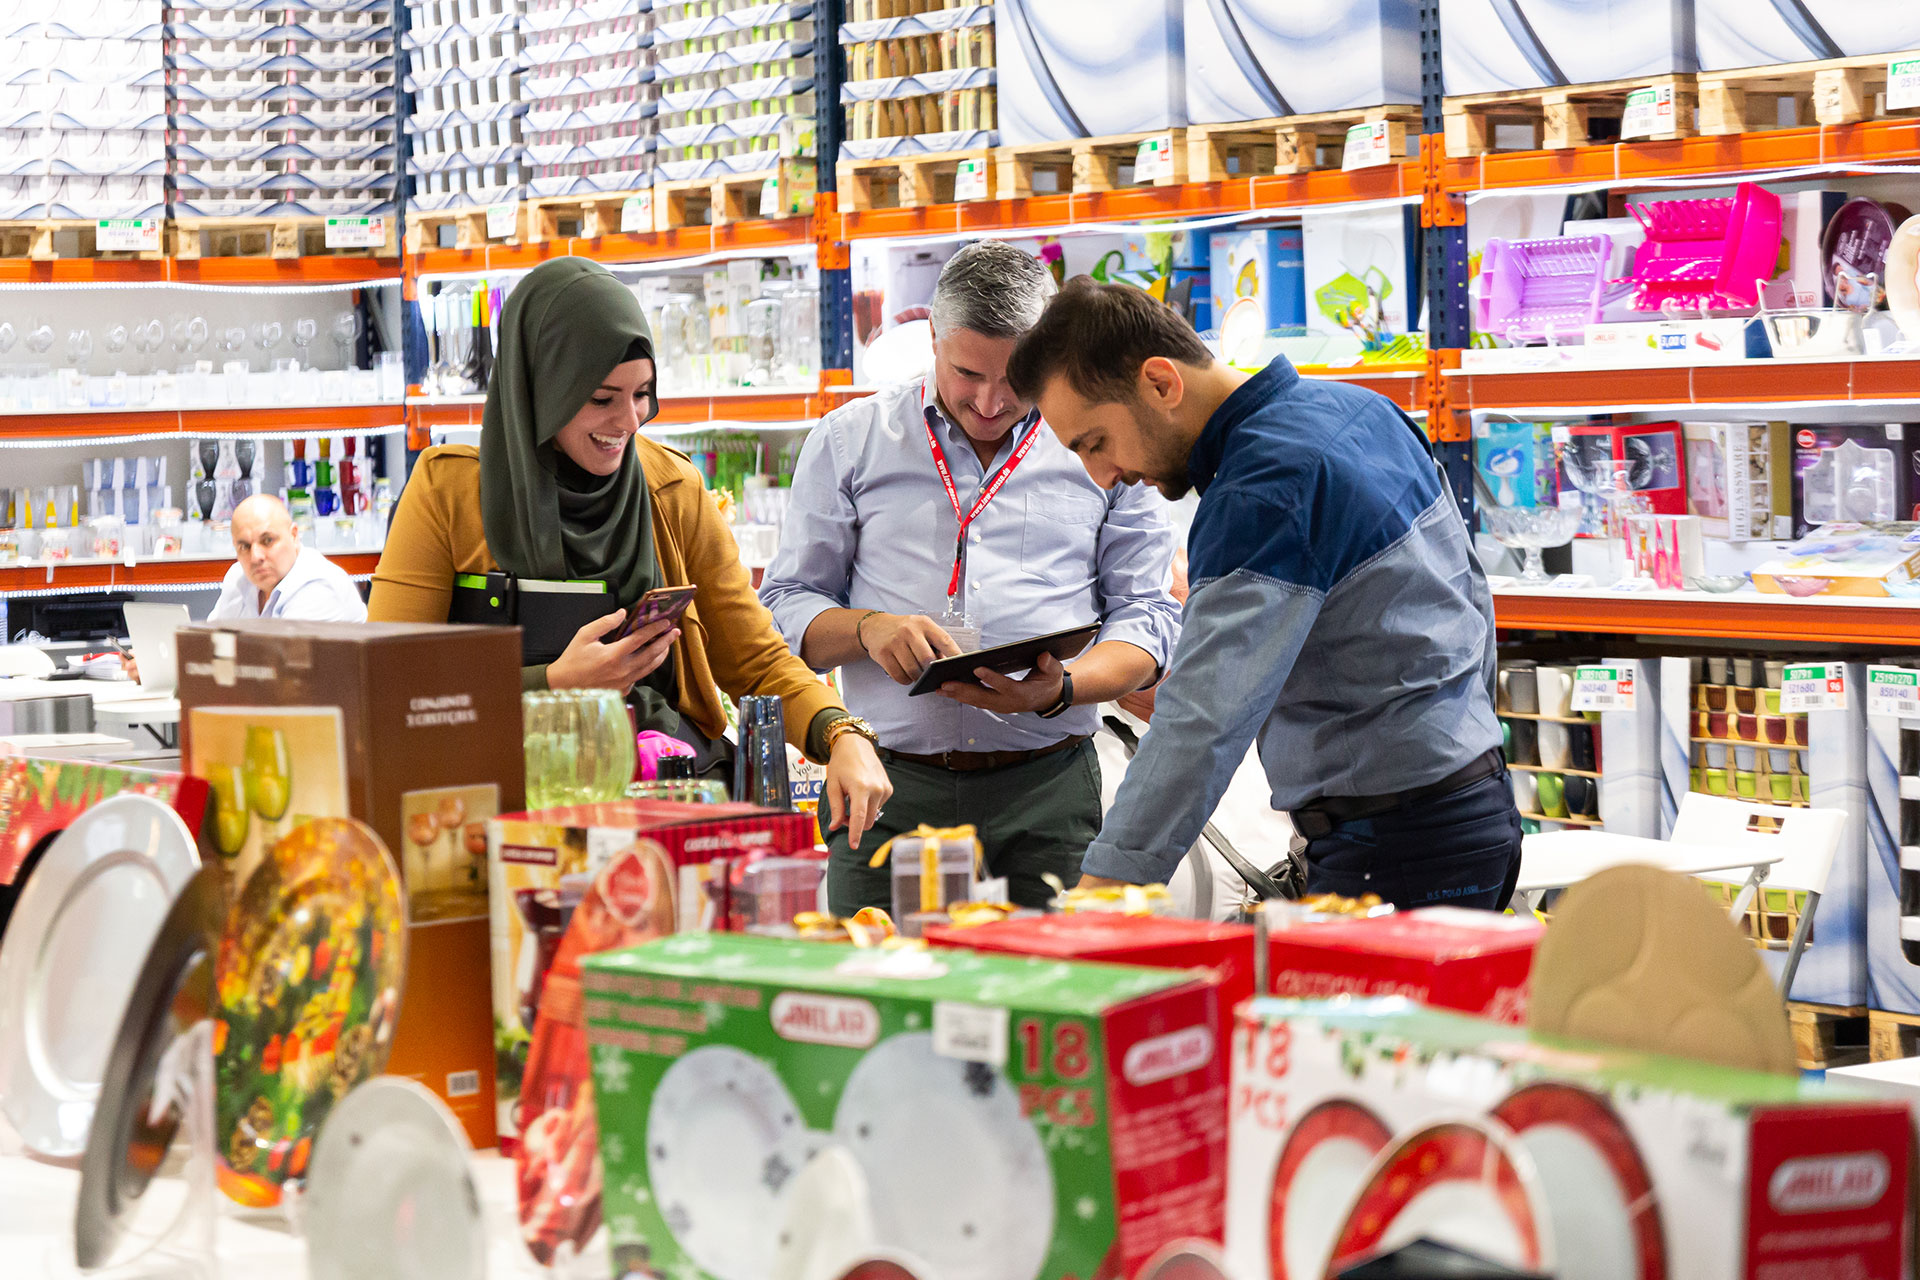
<point x="540" y="865"/>
<point x="1359" y="1126"/>
<point x="429" y="724"/>
<point x="1736" y="479"/>
<point x="953" y="1113"/>
<point x="1648" y="458"/>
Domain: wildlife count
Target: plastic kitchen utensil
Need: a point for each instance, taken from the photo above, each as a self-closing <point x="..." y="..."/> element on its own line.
<point x="1541" y="290"/>
<point x="1701" y="254"/>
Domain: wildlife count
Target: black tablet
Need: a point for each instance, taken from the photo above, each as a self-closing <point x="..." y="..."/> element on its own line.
<point x="1004" y="658"/>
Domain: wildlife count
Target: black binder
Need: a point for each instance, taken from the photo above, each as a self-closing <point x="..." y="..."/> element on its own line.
<point x="547" y="612"/>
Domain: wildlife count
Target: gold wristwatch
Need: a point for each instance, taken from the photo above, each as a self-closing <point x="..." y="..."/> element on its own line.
<point x="850" y="724"/>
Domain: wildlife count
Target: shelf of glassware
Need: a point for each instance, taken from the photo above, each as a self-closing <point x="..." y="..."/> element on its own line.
<point x="1263" y="194"/>
<point x="161" y="571"/>
<point x="1731" y="383"/>
<point x="263" y="421"/>
<point x="1739" y="615"/>
<point x="748" y="406"/>
<point x="1623" y="164"/>
<point x="328" y="270"/>
<point x="757" y="235"/>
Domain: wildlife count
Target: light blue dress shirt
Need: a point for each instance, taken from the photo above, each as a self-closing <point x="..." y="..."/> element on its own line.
<point x="869" y="526"/>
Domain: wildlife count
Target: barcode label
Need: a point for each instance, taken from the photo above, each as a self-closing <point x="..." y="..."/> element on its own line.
<point x="1603" y="689"/>
<point x="1368" y="145"/>
<point x="1818" y="686"/>
<point x="463" y="1084"/>
<point x="1649" y="111"/>
<point x="138" y="234"/>
<point x="1903" y="83"/>
<point x="970" y="180"/>
<point x="502" y="220"/>
<point x="636" y="213"/>
<point x="356" y="233"/>
<point x="1150" y="159"/>
<point x="1893" y="691"/>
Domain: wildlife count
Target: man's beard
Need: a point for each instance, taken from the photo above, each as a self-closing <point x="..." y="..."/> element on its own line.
<point x="1169" y="472"/>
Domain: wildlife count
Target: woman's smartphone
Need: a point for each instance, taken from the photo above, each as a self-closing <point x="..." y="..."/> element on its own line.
<point x="663" y="602"/>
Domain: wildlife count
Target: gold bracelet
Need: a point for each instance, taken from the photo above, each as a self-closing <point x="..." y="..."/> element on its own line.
<point x="850" y="724"/>
<point x="860" y="639"/>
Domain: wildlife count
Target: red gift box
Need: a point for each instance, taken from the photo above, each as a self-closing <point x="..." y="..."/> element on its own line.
<point x="1650" y="454"/>
<point x="1473" y="961"/>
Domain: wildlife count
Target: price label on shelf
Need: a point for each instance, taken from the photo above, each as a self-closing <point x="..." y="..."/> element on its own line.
<point x="770" y="197"/>
<point x="1903" y="83"/>
<point x="135" y="234"/>
<point x="1154" y="159"/>
<point x="1649" y="111"/>
<point x="970" y="180"/>
<point x="502" y="220"/>
<point x="1603" y="688"/>
<point x="1815" y="686"/>
<point x="356" y="233"/>
<point x="1893" y="691"/>
<point x="1368" y="145"/>
<point x="636" y="213"/>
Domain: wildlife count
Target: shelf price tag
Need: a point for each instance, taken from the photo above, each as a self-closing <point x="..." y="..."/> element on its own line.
<point x="1150" y="162"/>
<point x="502" y="220"/>
<point x="1603" y="689"/>
<point x="356" y="233"/>
<point x="636" y="213"/>
<point x="1816" y="686"/>
<point x="1368" y="145"/>
<point x="1893" y="691"/>
<point x="970" y="179"/>
<point x="136" y="234"/>
<point x="1649" y="111"/>
<point x="1903" y="83"/>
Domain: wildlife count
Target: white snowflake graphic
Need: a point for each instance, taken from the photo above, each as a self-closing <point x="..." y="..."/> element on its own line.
<point x="914" y="1021"/>
<point x="613" y="1148"/>
<point x="1086" y="1207"/>
<point x="612" y="1073"/>
<point x="624" y="1226"/>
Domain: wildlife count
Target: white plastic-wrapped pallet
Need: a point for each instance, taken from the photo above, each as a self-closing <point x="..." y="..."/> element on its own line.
<point x="465" y="61"/>
<point x="589" y="128"/>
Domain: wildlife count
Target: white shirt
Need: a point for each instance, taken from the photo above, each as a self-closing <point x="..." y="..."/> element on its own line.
<point x="315" y="590"/>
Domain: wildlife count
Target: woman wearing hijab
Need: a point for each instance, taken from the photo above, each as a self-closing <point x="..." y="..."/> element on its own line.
<point x="562" y="487"/>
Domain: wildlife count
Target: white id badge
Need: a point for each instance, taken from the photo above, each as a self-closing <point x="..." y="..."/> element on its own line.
<point x="960" y="627"/>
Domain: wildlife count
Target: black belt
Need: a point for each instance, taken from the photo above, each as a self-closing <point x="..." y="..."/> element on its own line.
<point x="1317" y="818"/>
<point x="983" y="761"/>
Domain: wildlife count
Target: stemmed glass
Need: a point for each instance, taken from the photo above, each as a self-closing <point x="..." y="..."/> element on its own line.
<point x="39" y="337"/>
<point x="1596" y="472"/>
<point x="7" y="336"/>
<point x="305" y="330"/>
<point x="114" y="340"/>
<point x="147" y="338"/>
<point x="79" y="348"/>
<point x="266" y="336"/>
<point x="1529" y="529"/>
<point x="189" y="334"/>
<point x="346" y="331"/>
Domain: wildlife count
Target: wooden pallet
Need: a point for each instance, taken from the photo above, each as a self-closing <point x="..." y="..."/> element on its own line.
<point x="189" y="238"/>
<point x="49" y="240"/>
<point x="1084" y="165"/>
<point x="911" y="182"/>
<point x="1288" y="144"/>
<point x="1827" y="1036"/>
<point x="1893" y="1035"/>
<point x="584" y="217"/>
<point x="734" y="197"/>
<point x="1836" y="91"/>
<point x="458" y="229"/>
<point x="1561" y="117"/>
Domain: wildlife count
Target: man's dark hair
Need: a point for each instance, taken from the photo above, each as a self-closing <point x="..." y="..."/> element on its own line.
<point x="1097" y="336"/>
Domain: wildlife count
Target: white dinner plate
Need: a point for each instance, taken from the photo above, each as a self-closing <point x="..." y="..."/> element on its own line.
<point x="725" y="1144"/>
<point x="1319" y="1171"/>
<point x="1606" y="1220"/>
<point x="390" y="1191"/>
<point x="958" y="1175"/>
<point x="74" y="946"/>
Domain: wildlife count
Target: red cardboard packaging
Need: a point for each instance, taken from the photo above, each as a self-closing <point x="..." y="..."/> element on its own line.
<point x="1448" y="957"/>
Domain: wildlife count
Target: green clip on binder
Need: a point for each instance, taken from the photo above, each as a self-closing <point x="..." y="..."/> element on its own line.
<point x="547" y="612"/>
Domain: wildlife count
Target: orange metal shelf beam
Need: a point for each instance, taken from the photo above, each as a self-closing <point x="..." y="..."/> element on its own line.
<point x="1623" y="163"/>
<point x="149" y="573"/>
<point x="1190" y="200"/>
<point x="241" y="271"/>
<point x="1749" y="382"/>
<point x="319" y="419"/>
<point x="1742" y="618"/>
<point x="656" y="246"/>
<point x="674" y="410"/>
<point x="1390" y="380"/>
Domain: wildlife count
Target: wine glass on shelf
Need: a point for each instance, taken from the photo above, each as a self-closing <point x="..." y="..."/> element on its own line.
<point x="1530" y="530"/>
<point x="1589" y="462"/>
<point x="346" y="332"/>
<point x="79" y="348"/>
<point x="305" y="330"/>
<point x="8" y="336"/>
<point x="266" y="336"/>
<point x="39" y="337"/>
<point x="114" y="342"/>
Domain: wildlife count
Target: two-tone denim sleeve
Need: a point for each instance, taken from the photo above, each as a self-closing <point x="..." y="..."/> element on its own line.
<point x="1133" y="564"/>
<point x="1242" y="635"/>
<point x="813" y="568"/>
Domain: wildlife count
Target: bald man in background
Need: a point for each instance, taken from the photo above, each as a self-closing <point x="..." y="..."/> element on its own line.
<point x="275" y="577"/>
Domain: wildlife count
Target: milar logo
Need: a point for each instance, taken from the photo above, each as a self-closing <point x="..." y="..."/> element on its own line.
<point x="832" y="1020"/>
<point x="1824" y="1184"/>
<point x="1167" y="1056"/>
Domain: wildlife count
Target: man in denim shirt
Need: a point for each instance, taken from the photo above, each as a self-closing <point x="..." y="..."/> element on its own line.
<point x="1337" y="610"/>
<point x="937" y="517"/>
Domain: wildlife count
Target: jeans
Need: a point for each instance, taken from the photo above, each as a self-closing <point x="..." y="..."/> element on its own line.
<point x="1460" y="850"/>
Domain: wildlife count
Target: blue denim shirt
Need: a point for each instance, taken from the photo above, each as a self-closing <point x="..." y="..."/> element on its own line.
<point x="1337" y="610"/>
<point x="869" y="526"/>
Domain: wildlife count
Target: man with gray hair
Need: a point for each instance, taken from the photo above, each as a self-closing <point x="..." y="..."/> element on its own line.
<point x="937" y="517"/>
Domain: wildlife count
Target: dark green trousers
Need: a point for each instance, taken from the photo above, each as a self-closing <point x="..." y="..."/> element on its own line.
<point x="1032" y="818"/>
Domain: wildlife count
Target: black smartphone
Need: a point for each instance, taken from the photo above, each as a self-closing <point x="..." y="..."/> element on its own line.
<point x="662" y="602"/>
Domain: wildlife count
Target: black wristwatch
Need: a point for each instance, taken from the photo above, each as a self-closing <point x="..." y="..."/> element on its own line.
<point x="1066" y="697"/>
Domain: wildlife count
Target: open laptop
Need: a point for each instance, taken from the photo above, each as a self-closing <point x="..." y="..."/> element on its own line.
<point x="151" y="628"/>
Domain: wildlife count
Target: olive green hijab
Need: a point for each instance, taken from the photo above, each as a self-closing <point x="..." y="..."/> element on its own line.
<point x="563" y="329"/>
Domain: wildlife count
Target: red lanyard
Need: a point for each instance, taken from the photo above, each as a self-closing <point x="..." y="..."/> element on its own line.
<point x="987" y="490"/>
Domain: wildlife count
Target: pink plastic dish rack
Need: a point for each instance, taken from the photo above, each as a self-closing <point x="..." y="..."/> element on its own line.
<point x="1702" y="254"/>
<point x="1541" y="290"/>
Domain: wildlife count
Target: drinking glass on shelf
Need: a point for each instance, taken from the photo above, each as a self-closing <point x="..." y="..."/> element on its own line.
<point x="114" y="341"/>
<point x="305" y="330"/>
<point x="346" y="331"/>
<point x="763" y="337"/>
<point x="39" y="337"/>
<point x="800" y="336"/>
<point x="676" y="336"/>
<point x="8" y="336"/>
<point x="266" y="336"/>
<point x="79" y="348"/>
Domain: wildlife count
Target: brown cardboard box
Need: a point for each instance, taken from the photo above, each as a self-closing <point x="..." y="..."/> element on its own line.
<point x="415" y="730"/>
